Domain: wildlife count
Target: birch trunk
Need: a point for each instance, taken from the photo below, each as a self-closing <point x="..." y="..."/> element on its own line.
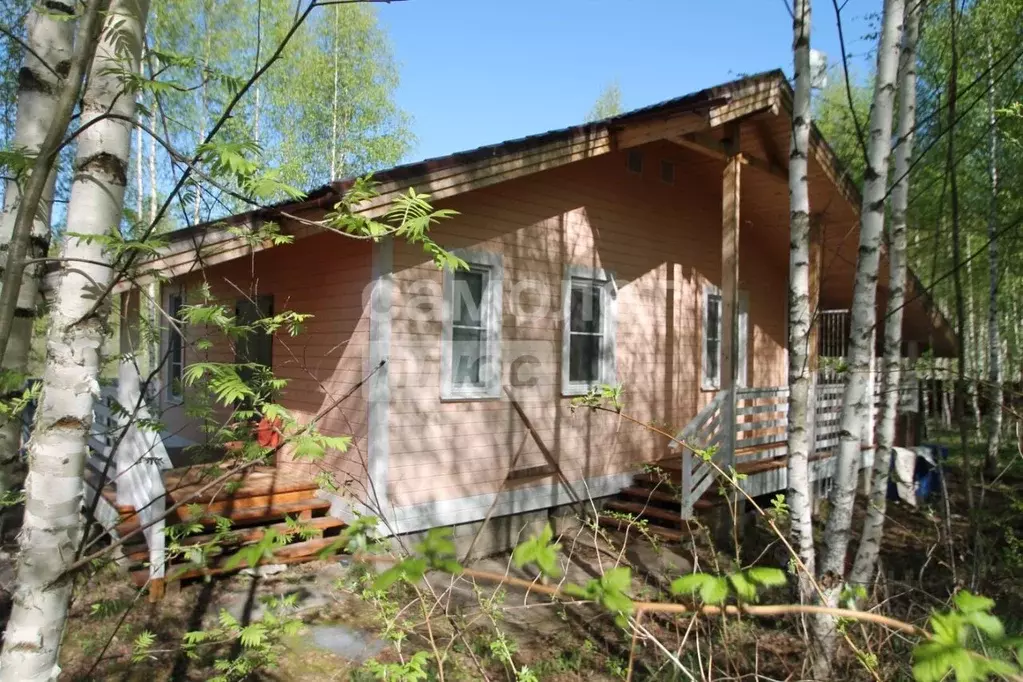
<point x="857" y="403"/>
<point x="53" y="524"/>
<point x="38" y="91"/>
<point x="799" y="302"/>
<point x="974" y="368"/>
<point x="957" y="275"/>
<point x="994" y="344"/>
<point x="873" y="524"/>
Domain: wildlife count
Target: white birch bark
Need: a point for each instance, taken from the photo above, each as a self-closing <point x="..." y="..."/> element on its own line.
<point x="994" y="344"/>
<point x="856" y="401"/>
<point x="57" y="452"/>
<point x="873" y="524"/>
<point x="38" y="91"/>
<point x="974" y="367"/>
<point x="799" y="498"/>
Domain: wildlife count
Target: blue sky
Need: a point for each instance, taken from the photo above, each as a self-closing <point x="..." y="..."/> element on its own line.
<point x="476" y="72"/>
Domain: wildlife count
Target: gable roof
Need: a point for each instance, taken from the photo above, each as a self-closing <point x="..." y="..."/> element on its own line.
<point x="452" y="174"/>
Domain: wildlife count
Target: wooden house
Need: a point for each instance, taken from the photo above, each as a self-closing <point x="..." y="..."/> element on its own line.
<point x="648" y="250"/>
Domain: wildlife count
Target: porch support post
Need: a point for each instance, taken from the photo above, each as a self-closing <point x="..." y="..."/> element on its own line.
<point x="730" y="194"/>
<point x="728" y="528"/>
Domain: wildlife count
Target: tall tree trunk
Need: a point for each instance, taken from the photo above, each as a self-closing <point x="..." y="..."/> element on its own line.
<point x="974" y="361"/>
<point x="873" y="524"/>
<point x="994" y="344"/>
<point x="334" y="102"/>
<point x="57" y="451"/>
<point x="39" y="86"/>
<point x="799" y="302"/>
<point x="856" y="402"/>
<point x="957" y="260"/>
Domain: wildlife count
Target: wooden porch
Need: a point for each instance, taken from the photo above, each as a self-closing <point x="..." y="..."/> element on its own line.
<point x="132" y="472"/>
<point x="680" y="486"/>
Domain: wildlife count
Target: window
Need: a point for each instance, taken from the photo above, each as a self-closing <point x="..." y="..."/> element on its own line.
<point x="712" y="309"/>
<point x="668" y="172"/>
<point x="743" y="359"/>
<point x="175" y="347"/>
<point x="713" y="312"/>
<point x="471" y="336"/>
<point x="634" y="161"/>
<point x="256" y="347"/>
<point x="588" y="334"/>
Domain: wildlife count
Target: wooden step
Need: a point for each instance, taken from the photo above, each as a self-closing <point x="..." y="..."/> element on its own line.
<point x="669" y="534"/>
<point x="660" y="495"/>
<point x="645" y="511"/>
<point x="289" y="554"/>
<point x="240" y="537"/>
<point x="227" y="505"/>
<point x="245" y="515"/>
<point x="181" y="483"/>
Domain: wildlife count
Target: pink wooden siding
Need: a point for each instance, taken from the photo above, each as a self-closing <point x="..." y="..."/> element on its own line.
<point x="327" y="276"/>
<point x="662" y="241"/>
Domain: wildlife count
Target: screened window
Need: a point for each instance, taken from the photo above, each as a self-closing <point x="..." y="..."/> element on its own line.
<point x="256" y="347"/>
<point x="668" y="172"/>
<point x="713" y="311"/>
<point x="470" y="362"/>
<point x="634" y="161"/>
<point x="588" y="350"/>
<point x="175" y="347"/>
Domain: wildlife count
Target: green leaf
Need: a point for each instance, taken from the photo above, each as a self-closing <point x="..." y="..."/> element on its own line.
<point x="985" y="622"/>
<point x="767" y="576"/>
<point x="689" y="584"/>
<point x="744" y="588"/>
<point x="714" y="591"/>
<point x="968" y="602"/>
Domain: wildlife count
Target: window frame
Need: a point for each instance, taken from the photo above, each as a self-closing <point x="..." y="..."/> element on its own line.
<point x="172" y="397"/>
<point x="667" y="172"/>
<point x="491" y="265"/>
<point x="634" y="155"/>
<point x="708" y="383"/>
<point x="604" y="279"/>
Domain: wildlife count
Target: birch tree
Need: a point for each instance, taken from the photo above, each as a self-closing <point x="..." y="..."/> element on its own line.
<point x="873" y="524"/>
<point x="857" y="402"/>
<point x="799" y="299"/>
<point x="49" y="34"/>
<point x="994" y="344"/>
<point x="57" y="452"/>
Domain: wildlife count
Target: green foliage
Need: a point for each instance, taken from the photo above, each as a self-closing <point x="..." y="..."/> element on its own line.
<point x="541" y="552"/>
<point x="259" y="642"/>
<point x="412" y="670"/>
<point x="957" y="638"/>
<point x="436" y="552"/>
<point x="610" y="590"/>
<point x="608" y="104"/>
<point x="605" y="396"/>
<point x="141" y="646"/>
<point x="744" y="586"/>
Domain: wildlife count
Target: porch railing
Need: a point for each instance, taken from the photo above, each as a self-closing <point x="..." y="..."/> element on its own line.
<point x="761" y="432"/>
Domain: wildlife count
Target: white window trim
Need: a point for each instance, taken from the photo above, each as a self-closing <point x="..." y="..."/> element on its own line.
<point x="710" y="383"/>
<point x="492" y="264"/>
<point x="609" y="323"/>
<point x="166" y="388"/>
<point x="742" y="376"/>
